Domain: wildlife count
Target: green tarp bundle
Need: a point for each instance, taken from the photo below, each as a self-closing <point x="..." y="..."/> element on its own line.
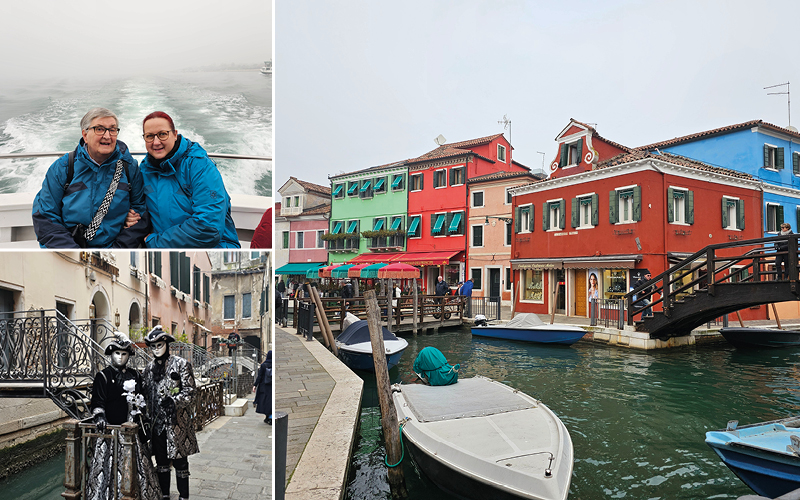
<point x="432" y="367"/>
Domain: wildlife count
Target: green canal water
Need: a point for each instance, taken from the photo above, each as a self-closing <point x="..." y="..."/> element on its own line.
<point x="637" y="420"/>
<point x="44" y="481"/>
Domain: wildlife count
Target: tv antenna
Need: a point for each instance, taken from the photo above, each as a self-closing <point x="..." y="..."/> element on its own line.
<point x="440" y="140"/>
<point x="541" y="153"/>
<point x="788" y="98"/>
<point x="506" y="125"/>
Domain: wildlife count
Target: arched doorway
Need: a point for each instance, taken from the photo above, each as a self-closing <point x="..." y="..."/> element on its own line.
<point x="134" y="318"/>
<point x="102" y="331"/>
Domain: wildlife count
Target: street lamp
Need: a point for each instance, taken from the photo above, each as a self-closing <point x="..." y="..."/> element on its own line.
<point x="507" y="220"/>
<point x="116" y="318"/>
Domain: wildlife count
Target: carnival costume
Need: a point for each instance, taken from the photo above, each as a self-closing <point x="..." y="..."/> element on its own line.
<point x="169" y="390"/>
<point x="116" y="399"/>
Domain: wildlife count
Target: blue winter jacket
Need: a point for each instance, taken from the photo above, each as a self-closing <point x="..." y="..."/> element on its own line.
<point x="56" y="211"/>
<point x="187" y="201"/>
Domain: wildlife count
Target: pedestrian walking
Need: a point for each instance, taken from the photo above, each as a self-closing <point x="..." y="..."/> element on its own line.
<point x="466" y="291"/>
<point x="781" y="258"/>
<point x="262" y="386"/>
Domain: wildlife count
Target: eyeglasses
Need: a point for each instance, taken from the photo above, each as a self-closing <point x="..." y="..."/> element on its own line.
<point x="162" y="136"/>
<point x="100" y="130"/>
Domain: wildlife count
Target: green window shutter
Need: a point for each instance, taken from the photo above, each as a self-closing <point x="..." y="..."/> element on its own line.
<point x="779" y="216"/>
<point x="433" y="221"/>
<point x="637" y="203"/>
<point x="530" y="218"/>
<point x="517" y="220"/>
<point x="740" y="214"/>
<point x="448" y="218"/>
<point x="779" y="159"/>
<point x="797" y="218"/>
<point x="575" y="214"/>
<point x="689" y="207"/>
<point x="670" y="205"/>
<point x="724" y="212"/>
<point x="186" y="273"/>
<point x="545" y="217"/>
<point x="613" y="206"/>
<point x="796" y="163"/>
<point x="595" y="209"/>
<point x="564" y="149"/>
<point x="580" y="152"/>
<point x="157" y="264"/>
<point x="422" y="180"/>
<point x="452" y="174"/>
<point x="562" y="212"/>
<point x="766" y="155"/>
<point x="174" y="269"/>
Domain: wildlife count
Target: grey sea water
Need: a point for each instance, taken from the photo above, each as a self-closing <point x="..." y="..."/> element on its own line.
<point x="224" y="111"/>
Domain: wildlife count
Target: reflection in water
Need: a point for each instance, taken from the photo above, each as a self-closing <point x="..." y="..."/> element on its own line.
<point x="637" y="419"/>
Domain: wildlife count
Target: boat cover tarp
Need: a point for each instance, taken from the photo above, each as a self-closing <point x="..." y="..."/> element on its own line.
<point x="358" y="332"/>
<point x="432" y="367"/>
<point x="524" y="321"/>
<point x="470" y="397"/>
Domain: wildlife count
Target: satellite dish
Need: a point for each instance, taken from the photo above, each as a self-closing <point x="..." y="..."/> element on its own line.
<point x="792" y="128"/>
<point x="440" y="140"/>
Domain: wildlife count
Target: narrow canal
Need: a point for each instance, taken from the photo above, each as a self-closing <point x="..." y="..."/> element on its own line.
<point x="43" y="481"/>
<point x="637" y="420"/>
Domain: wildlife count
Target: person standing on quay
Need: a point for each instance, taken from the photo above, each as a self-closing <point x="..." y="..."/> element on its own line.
<point x="186" y="197"/>
<point x="781" y="260"/>
<point x="262" y="386"/>
<point x="169" y="389"/>
<point x="466" y="291"/>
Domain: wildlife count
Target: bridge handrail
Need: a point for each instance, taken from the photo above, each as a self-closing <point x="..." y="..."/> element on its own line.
<point x="708" y="258"/>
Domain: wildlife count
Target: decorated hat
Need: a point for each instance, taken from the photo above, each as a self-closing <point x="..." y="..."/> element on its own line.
<point x="121" y="342"/>
<point x="157" y="334"/>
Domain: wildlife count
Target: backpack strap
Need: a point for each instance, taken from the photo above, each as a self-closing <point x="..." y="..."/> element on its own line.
<point x="71" y="168"/>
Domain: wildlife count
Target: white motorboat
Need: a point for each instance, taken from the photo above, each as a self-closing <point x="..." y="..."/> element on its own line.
<point x="480" y="439"/>
<point x="267" y="68"/>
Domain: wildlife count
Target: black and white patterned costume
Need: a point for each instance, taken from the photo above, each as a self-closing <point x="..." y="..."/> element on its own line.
<point x="110" y="406"/>
<point x="169" y="390"/>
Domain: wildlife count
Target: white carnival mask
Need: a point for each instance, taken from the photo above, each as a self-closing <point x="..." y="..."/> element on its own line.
<point x="159" y="348"/>
<point x="119" y="358"/>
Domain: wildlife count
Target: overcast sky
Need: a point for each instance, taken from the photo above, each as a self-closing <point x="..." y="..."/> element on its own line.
<point x="81" y="38"/>
<point x="363" y="83"/>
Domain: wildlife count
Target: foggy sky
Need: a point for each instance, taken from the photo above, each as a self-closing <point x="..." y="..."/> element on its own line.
<point x="364" y="83"/>
<point x="84" y="39"/>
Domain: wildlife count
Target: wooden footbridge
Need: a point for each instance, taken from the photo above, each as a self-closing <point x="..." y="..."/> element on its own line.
<point x="718" y="280"/>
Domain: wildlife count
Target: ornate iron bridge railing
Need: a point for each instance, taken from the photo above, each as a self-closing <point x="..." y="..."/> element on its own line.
<point x="44" y="354"/>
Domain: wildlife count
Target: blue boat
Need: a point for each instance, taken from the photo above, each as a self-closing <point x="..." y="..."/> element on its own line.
<point x="765" y="456"/>
<point x="528" y="327"/>
<point x="355" y="347"/>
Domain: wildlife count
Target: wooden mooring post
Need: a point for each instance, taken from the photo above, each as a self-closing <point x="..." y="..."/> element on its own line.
<point x="391" y="429"/>
<point x="414" y="306"/>
<point x="324" y="326"/>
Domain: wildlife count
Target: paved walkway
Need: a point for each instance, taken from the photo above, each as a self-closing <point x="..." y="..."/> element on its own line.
<point x="235" y="459"/>
<point x="322" y="398"/>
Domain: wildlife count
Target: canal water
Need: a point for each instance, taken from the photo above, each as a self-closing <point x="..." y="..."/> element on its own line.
<point x="637" y="419"/>
<point x="44" y="481"/>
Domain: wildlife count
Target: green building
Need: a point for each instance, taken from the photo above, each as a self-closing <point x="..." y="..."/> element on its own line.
<point x="368" y="212"/>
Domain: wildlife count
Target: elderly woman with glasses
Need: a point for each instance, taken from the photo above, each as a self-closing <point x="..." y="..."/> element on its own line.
<point x="88" y="193"/>
<point x="186" y="198"/>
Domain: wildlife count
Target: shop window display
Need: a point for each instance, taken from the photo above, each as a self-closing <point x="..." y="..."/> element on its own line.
<point x="532" y="285"/>
<point x="615" y="281"/>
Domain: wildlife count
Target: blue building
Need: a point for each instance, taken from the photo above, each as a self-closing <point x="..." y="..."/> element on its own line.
<point x="765" y="151"/>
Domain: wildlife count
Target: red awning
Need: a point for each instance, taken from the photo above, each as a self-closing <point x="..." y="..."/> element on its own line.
<point x="411" y="258"/>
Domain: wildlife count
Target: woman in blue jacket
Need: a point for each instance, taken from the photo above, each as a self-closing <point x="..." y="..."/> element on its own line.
<point x="187" y="201"/>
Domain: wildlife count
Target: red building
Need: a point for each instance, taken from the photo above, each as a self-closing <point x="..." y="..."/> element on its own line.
<point x="438" y="202"/>
<point x="609" y="212"/>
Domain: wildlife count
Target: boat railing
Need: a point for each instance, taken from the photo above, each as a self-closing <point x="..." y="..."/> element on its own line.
<point x="16" y="224"/>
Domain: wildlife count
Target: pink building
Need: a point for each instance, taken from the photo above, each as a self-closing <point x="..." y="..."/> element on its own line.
<point x="490" y="231"/>
<point x="179" y="293"/>
<point x="306" y="209"/>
